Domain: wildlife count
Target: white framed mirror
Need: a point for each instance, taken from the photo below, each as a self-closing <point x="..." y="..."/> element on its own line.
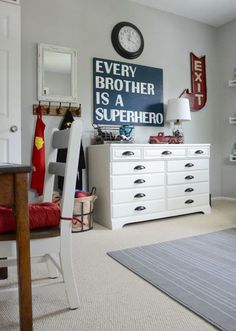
<point x="57" y="73"/>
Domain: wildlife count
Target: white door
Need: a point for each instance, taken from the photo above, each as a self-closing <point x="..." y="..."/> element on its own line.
<point x="10" y="110"/>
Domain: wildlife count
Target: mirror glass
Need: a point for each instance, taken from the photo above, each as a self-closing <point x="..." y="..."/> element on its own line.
<point x="57" y="74"/>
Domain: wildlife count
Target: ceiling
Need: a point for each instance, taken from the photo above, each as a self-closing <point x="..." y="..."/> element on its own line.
<point x="212" y="12"/>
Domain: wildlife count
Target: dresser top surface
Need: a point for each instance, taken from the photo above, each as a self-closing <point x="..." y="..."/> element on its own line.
<point x="150" y="145"/>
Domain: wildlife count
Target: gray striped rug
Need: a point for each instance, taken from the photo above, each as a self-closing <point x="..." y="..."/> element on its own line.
<point x="198" y="272"/>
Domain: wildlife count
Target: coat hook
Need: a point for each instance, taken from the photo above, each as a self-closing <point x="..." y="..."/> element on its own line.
<point x="59" y="109"/>
<point x="38" y="109"/>
<point x="78" y="110"/>
<point x="49" y="107"/>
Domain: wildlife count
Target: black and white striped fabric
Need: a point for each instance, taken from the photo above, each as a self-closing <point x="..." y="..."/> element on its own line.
<point x="198" y="272"/>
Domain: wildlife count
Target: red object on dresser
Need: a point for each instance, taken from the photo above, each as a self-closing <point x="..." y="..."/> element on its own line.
<point x="41" y="215"/>
<point x="162" y="139"/>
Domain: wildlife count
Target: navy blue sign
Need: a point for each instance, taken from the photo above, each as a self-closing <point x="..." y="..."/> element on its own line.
<point x="126" y="93"/>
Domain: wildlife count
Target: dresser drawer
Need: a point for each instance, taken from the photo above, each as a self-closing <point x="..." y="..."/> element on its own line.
<point x="187" y="177"/>
<point x="187" y="165"/>
<point x="163" y="152"/>
<point x="187" y="189"/>
<point x="137" y="181"/>
<point x="198" y="152"/>
<point x="138" y="195"/>
<point x="126" y="153"/>
<point x="185" y="202"/>
<point x="121" y="168"/>
<point x="138" y="208"/>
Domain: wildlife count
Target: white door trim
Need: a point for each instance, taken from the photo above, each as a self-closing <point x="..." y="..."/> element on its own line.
<point x="10" y="83"/>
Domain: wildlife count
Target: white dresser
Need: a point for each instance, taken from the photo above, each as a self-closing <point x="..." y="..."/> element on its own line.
<point x="143" y="182"/>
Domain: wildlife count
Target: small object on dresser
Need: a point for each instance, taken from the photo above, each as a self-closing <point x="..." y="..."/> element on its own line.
<point x="126" y="133"/>
<point x="113" y="134"/>
<point x="162" y="139"/>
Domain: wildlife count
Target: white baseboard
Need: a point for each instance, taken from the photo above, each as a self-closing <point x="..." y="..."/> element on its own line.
<point x="223" y="198"/>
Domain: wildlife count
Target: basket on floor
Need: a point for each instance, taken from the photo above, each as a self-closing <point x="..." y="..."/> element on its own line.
<point x="83" y="211"/>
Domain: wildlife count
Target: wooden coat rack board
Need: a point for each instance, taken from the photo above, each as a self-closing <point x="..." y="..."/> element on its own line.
<point x="55" y="110"/>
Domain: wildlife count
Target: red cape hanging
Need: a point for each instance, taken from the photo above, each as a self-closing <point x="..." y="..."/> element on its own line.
<point x="38" y="156"/>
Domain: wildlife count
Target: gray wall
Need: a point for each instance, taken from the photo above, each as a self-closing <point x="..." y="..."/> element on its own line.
<point x="227" y="104"/>
<point x="86" y="25"/>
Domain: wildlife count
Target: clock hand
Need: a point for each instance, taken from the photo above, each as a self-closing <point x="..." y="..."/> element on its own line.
<point x="132" y="41"/>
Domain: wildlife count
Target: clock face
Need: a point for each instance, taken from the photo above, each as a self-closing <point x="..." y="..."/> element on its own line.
<point x="127" y="40"/>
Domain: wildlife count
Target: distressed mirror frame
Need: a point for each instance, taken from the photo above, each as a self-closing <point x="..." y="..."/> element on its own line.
<point x="73" y="98"/>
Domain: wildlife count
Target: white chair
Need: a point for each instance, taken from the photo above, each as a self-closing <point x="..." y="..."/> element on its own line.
<point x="54" y="246"/>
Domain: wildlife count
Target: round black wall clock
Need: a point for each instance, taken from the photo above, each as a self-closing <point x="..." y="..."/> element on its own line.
<point x="127" y="40"/>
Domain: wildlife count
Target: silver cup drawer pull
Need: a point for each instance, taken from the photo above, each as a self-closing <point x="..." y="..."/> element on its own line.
<point x="189" y="165"/>
<point x="139" y="181"/>
<point x="188" y="202"/>
<point x="139" y="167"/>
<point x="189" y="177"/>
<point x="190" y="189"/>
<point x="140" y="208"/>
<point x="166" y="153"/>
<point x="139" y="195"/>
<point x="128" y="153"/>
<point x="199" y="151"/>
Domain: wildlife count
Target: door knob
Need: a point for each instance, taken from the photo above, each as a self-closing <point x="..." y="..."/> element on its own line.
<point x="14" y="128"/>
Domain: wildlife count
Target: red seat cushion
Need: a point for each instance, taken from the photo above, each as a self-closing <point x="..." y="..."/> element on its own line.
<point x="41" y="215"/>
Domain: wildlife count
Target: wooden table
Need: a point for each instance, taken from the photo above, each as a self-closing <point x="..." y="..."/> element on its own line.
<point x="13" y="191"/>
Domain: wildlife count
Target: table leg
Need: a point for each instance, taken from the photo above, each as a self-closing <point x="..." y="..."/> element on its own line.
<point x="23" y="251"/>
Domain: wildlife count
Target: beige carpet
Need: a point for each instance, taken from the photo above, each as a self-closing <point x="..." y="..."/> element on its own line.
<point x="112" y="297"/>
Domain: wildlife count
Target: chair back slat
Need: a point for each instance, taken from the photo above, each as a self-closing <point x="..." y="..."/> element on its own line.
<point x="71" y="140"/>
<point x="60" y="139"/>
<point x="57" y="168"/>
